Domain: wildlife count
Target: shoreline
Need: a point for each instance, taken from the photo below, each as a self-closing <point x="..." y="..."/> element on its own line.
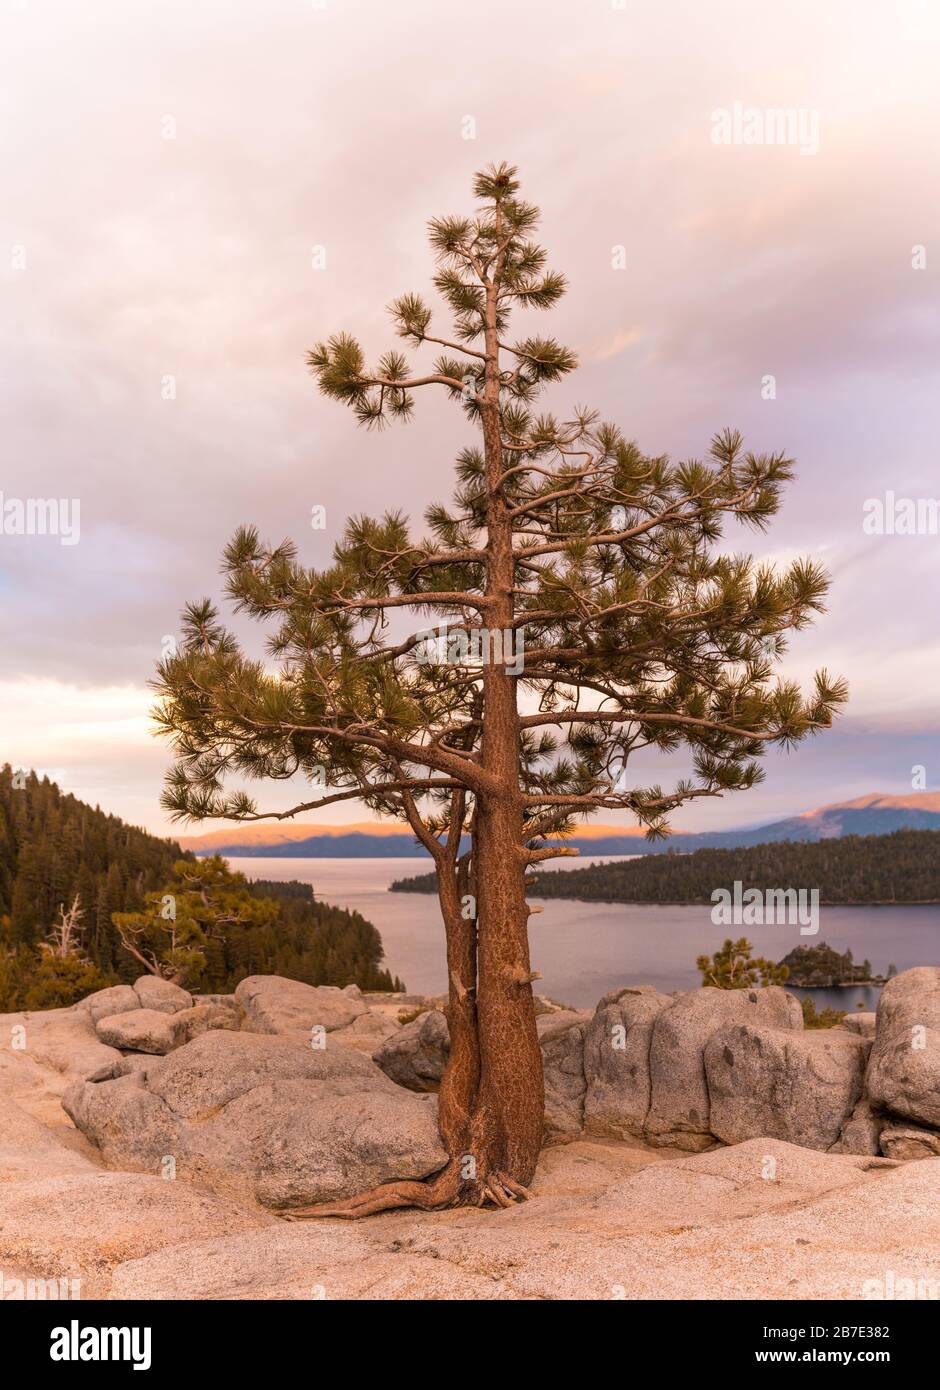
<point x="697" y="902"/>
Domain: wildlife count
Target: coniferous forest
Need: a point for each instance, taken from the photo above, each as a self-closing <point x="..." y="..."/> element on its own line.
<point x="903" y="867"/>
<point x="308" y="940"/>
<point x="55" y="848"/>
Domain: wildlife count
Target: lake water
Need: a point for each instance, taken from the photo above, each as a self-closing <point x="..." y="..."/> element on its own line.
<point x="585" y="949"/>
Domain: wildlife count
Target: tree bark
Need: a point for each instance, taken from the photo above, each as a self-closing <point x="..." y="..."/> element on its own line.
<point x="492" y="1099"/>
<point x="461" y="1079"/>
<point x="508" y="1115"/>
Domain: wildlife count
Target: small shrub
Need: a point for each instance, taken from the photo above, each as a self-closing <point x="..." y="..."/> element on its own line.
<point x="820" y="1018"/>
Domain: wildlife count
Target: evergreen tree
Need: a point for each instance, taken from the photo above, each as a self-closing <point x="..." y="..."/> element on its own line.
<point x="29" y="895"/>
<point x="901" y="867"/>
<point x="207" y="928"/>
<point x="59" y="981"/>
<point x="110" y="869"/>
<point x="169" y="937"/>
<point x="572" y="569"/>
<point x="734" y="967"/>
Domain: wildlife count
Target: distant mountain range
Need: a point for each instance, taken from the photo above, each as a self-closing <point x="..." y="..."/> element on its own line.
<point x="874" y="814"/>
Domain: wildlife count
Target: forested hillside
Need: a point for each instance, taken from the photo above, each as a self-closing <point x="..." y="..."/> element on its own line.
<point x="307" y="940"/>
<point x="53" y="846"/>
<point x="903" y="867"/>
<point x="56" y="850"/>
<point x="900" y="868"/>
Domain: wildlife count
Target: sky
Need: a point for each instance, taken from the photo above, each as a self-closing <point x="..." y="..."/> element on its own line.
<point x="194" y="193"/>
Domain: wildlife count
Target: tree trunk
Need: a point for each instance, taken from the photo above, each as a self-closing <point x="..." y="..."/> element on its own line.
<point x="492" y="1096"/>
<point x="461" y="1079"/>
<point x="508" y="1115"/>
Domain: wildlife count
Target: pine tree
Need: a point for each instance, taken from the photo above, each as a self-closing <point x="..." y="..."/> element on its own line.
<point x="59" y="981"/>
<point x="28" y="896"/>
<point x="734" y="967"/>
<point x="568" y="610"/>
<point x="169" y="937"/>
<point x="48" y="840"/>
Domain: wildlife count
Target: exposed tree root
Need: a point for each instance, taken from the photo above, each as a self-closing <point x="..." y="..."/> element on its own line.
<point x="504" y="1190"/>
<point x="448" y="1189"/>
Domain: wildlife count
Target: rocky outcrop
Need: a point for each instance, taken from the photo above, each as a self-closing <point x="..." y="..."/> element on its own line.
<point x="655" y="1067"/>
<point x="861" y="1133"/>
<point x="904" y="1068"/>
<point x="861" y="1023"/>
<point x="561" y="1036"/>
<point x="161" y="995"/>
<point x="907" y="1142"/>
<point x="274" y="1004"/>
<point x="150" y="1030"/>
<point x="265" y="1118"/>
<point x="684" y="1071"/>
<point x="205" y="1143"/>
<point x="797" y="1086"/>
<point x="617" y="1061"/>
<point x="416" y="1055"/>
<point x="679" y="1113"/>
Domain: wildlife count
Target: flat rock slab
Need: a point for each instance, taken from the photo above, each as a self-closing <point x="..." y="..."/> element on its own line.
<point x="140" y="1030"/>
<point x="82" y="1225"/>
<point x="214" y="1069"/>
<point x="709" y="1189"/>
<point x="322" y="1260"/>
<point x="367" y="1032"/>
<point x="587" y="1167"/>
<point x="63" y="1040"/>
<point x="274" y="1004"/>
<point x="30" y="1150"/>
<point x="711" y="1225"/>
<point x="830" y="1246"/>
<point x="160" y="1031"/>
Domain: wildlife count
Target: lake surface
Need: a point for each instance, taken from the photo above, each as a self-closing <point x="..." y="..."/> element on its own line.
<point x="585" y="949"/>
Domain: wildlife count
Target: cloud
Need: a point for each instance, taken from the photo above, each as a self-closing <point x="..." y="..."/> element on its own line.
<point x="153" y="345"/>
